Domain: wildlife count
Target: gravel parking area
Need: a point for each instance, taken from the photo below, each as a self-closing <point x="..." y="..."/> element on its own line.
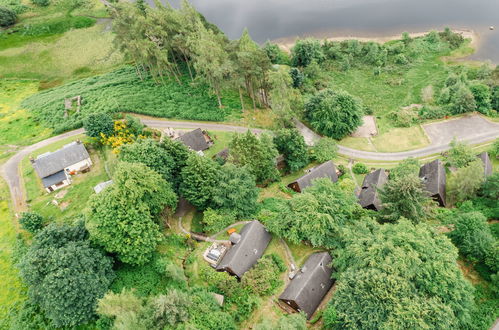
<point x="464" y="129"/>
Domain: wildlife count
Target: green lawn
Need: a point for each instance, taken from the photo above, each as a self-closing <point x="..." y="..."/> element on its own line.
<point x="221" y="141"/>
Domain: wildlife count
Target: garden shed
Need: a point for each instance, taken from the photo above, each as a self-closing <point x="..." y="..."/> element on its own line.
<point x="245" y="251"/>
<point x="309" y="286"/>
<point x="368" y="197"/>
<point x="432" y="175"/>
<point x="325" y="170"/>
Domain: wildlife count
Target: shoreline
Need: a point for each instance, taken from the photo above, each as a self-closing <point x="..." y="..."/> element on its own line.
<point x="287" y="43"/>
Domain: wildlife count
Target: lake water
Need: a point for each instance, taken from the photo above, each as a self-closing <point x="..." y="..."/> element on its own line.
<point x="275" y="19"/>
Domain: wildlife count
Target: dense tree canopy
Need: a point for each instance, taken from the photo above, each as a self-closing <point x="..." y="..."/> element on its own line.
<point x="65" y="274"/>
<point x="121" y="217"/>
<point x="465" y="182"/>
<point x="325" y="149"/>
<point x="398" y="276"/>
<point x="291" y="144"/>
<point x="306" y="51"/>
<point x="409" y="166"/>
<point x="31" y="221"/>
<point x="334" y="113"/>
<point x="459" y="155"/>
<point x="7" y="16"/>
<point x="257" y="153"/>
<point x="97" y="123"/>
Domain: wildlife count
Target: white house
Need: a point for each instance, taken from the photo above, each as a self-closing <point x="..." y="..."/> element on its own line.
<point x="55" y="168"/>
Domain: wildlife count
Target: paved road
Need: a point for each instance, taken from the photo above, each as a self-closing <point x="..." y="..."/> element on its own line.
<point x="10" y="170"/>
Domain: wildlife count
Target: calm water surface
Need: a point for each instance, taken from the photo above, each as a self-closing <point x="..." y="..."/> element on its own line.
<point x="274" y="19"/>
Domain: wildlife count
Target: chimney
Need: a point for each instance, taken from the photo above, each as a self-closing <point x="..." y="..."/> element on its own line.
<point x="32" y="160"/>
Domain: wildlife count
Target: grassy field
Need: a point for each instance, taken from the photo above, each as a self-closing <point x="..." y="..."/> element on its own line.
<point x="13" y="290"/>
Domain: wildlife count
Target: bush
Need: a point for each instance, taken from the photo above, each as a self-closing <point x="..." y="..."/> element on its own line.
<point x="7" y="17"/>
<point x="325" y="149"/>
<point x="483" y="97"/>
<point x="404" y="117"/>
<point x="97" y="123"/>
<point x="216" y="221"/>
<point x="41" y="3"/>
<point x="31" y="221"/>
<point x="291" y="144"/>
<point x="306" y="51"/>
<point x="433" y="112"/>
<point x="360" y="168"/>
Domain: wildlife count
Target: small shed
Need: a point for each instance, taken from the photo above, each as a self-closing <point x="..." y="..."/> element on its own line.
<point x="368" y="197"/>
<point x="247" y="247"/>
<point x="487" y="165"/>
<point x="309" y="286"/>
<point x="433" y="177"/>
<point x="196" y="140"/>
<point x="325" y="170"/>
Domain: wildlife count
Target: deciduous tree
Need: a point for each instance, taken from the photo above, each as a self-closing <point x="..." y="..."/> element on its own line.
<point x="325" y="149"/>
<point x="291" y="144"/>
<point x="31" y="221"/>
<point x="465" y="182"/>
<point x="97" y="123"/>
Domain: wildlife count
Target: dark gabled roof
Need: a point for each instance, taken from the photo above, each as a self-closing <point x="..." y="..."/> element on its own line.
<point x="311" y="283"/>
<point x="243" y="255"/>
<point x="368" y="197"/>
<point x="194" y="139"/>
<point x="54" y="179"/>
<point x="433" y="177"/>
<point x="224" y="154"/>
<point x="325" y="170"/>
<point x="53" y="162"/>
<point x="487" y="165"/>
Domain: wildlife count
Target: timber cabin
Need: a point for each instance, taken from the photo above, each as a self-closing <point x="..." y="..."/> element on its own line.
<point x="325" y="170"/>
<point x="433" y="177"/>
<point x="309" y="286"/>
<point x="369" y="197"/>
<point x="247" y="247"/>
<point x="196" y="140"/>
<point x="55" y="168"/>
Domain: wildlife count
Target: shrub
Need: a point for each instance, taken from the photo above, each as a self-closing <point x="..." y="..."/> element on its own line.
<point x="216" y="221"/>
<point x="31" y="221"/>
<point x="404" y="117"/>
<point x="97" y="123"/>
<point x="432" y="112"/>
<point x="41" y="3"/>
<point x="263" y="278"/>
<point x="360" y="168"/>
<point x="7" y="16"/>
<point x="401" y="59"/>
<point x="325" y="149"/>
<point x="483" y="97"/>
<point x="292" y="145"/>
<point x="459" y="155"/>
<point x="306" y="51"/>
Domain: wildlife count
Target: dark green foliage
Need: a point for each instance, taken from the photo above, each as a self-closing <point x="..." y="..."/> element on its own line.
<point x="462" y="100"/>
<point x="490" y="188"/>
<point x="150" y="153"/>
<point x="291" y="144"/>
<point x="7" y="16"/>
<point x="200" y="178"/>
<point x="179" y="152"/>
<point x="316" y="215"/>
<point x="464" y="183"/>
<point x="305" y="52"/>
<point x="258" y="154"/>
<point x="454" y="39"/>
<point x="263" y="278"/>
<point x="121" y="217"/>
<point x="459" y="155"/>
<point x="482" y="96"/>
<point x="29" y="315"/>
<point x="409" y="166"/>
<point x="334" y="113"/>
<point x="235" y="192"/>
<point x="407" y="276"/>
<point x="65" y="274"/>
<point x="405" y="197"/>
<point x="275" y="54"/>
<point x="494" y="149"/>
<point x="360" y="168"/>
<point x="97" y="123"/>
<point x="31" y="221"/>
<point x="57" y="25"/>
<point x="495" y="98"/>
<point x="433" y="112"/>
<point x="124" y="91"/>
<point x="41" y="3"/>
<point x="215" y="221"/>
<point x="472" y="235"/>
<point x="297" y="76"/>
<point x="323" y="150"/>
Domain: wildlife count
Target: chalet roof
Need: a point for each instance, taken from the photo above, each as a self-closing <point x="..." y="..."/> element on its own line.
<point x="487" y="165"/>
<point x="368" y="197"/>
<point x="194" y="139"/>
<point x="432" y="175"/>
<point x="311" y="283"/>
<point x="53" y="162"/>
<point x="54" y="179"/>
<point x="325" y="170"/>
<point x="100" y="186"/>
<point x="224" y="154"/>
<point x="243" y="255"/>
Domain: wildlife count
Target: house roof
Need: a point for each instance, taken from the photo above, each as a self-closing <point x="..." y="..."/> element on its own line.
<point x="311" y="283"/>
<point x="99" y="187"/>
<point x="368" y="196"/>
<point x="325" y="170"/>
<point x="487" y="165"/>
<point x="224" y="154"/>
<point x="432" y="175"/>
<point x="53" y="162"/>
<point x="243" y="255"/>
<point x="54" y="179"/>
<point x="194" y="139"/>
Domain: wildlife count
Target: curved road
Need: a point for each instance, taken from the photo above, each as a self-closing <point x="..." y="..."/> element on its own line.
<point x="10" y="170"/>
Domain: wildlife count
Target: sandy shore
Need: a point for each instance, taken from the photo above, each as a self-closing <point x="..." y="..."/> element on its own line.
<point x="288" y="42"/>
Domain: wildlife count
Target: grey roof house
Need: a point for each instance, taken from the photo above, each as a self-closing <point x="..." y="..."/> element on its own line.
<point x="368" y="197"/>
<point x="196" y="140"/>
<point x="487" y="165"/>
<point x="309" y="286"/>
<point x="247" y="247"/>
<point x="55" y="168"/>
<point x="325" y="170"/>
<point x="433" y="177"/>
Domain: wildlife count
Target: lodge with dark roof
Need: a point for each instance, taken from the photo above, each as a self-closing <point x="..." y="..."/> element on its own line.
<point x="433" y="177"/>
<point x="325" y="170"/>
<point x="309" y="286"/>
<point x="196" y="140"/>
<point x="247" y="247"/>
<point x="368" y="197"/>
<point x="55" y="168"/>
